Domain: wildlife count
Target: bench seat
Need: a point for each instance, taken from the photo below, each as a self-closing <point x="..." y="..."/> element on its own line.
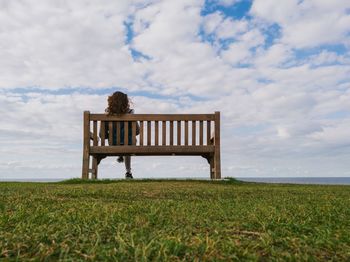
<point x="151" y="150"/>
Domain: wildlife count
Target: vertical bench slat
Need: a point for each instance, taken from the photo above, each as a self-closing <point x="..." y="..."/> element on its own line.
<point x="133" y="133"/>
<point x="193" y="133"/>
<point x="171" y="133"/>
<point x="149" y="133"/>
<point x="110" y="132"/>
<point x="102" y="132"/>
<point x="201" y="133"/>
<point x="126" y="133"/>
<point x="186" y="133"/>
<point x="118" y="133"/>
<point x="163" y="133"/>
<point x="141" y="133"/>
<point x="208" y="132"/>
<point x="95" y="133"/>
<point x="156" y="133"/>
<point x="179" y="133"/>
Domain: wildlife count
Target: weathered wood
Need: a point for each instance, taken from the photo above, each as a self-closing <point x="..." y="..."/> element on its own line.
<point x="211" y="166"/>
<point x="133" y="128"/>
<point x="102" y="133"/>
<point x="217" y="161"/>
<point x="179" y="133"/>
<point x="95" y="141"/>
<point x="171" y="133"/>
<point x="117" y="132"/>
<point x="126" y="133"/>
<point x="156" y="133"/>
<point x="163" y="133"/>
<point x="86" y="145"/>
<point x="208" y="132"/>
<point x="152" y="117"/>
<point x="200" y="132"/>
<point x="186" y="133"/>
<point x="193" y="133"/>
<point x="94" y="168"/>
<point x="110" y="133"/>
<point x="152" y="150"/>
<point x="149" y="133"/>
<point x="141" y="133"/>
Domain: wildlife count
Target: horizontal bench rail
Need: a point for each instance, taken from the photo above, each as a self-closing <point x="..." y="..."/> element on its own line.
<point x="153" y="117"/>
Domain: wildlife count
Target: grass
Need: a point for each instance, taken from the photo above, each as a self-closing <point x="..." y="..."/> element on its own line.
<point x="173" y="220"/>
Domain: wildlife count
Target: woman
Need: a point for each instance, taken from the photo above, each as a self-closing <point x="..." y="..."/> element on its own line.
<point x="119" y="103"/>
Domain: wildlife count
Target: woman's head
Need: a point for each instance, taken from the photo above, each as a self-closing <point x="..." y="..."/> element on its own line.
<point x="118" y="103"/>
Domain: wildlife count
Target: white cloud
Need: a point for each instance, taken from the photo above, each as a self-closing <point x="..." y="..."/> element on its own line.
<point x="327" y="58"/>
<point x="240" y="51"/>
<point x="223" y="27"/>
<point x="227" y="2"/>
<point x="230" y="28"/>
<point x="282" y="132"/>
<point x="335" y="134"/>
<point x="144" y="17"/>
<point x="236" y="53"/>
<point x="175" y="25"/>
<point x="211" y="22"/>
<point x="274" y="56"/>
<point x="307" y="23"/>
<point x="280" y="12"/>
<point x="58" y="44"/>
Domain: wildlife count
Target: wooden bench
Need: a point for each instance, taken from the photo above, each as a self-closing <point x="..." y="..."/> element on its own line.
<point x="160" y="134"/>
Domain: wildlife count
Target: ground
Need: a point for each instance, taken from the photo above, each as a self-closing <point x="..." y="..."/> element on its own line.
<point x="173" y="220"/>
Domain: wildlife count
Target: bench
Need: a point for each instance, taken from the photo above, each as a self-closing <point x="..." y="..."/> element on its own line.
<point x="160" y="134"/>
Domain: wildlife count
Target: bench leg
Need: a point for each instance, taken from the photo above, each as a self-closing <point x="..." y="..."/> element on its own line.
<point x="211" y="163"/>
<point x="86" y="164"/>
<point x="94" y="168"/>
<point x="217" y="166"/>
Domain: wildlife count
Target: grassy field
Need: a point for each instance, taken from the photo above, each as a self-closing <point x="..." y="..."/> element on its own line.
<point x="173" y="220"/>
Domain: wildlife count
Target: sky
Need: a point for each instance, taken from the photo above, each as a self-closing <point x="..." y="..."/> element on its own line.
<point x="278" y="71"/>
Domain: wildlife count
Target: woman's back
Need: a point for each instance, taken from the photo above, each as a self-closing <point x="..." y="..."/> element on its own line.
<point x="120" y="131"/>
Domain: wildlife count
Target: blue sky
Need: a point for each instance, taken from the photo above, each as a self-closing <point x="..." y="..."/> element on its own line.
<point x="279" y="72"/>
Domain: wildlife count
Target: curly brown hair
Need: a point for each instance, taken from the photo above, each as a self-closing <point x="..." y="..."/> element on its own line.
<point x="118" y="103"/>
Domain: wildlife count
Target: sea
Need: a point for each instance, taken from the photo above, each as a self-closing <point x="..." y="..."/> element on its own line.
<point x="281" y="180"/>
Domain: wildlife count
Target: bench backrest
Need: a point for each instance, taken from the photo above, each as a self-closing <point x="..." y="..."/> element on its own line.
<point x="155" y="129"/>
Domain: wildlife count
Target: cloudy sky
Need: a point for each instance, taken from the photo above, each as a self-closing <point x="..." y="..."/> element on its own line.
<point x="279" y="72"/>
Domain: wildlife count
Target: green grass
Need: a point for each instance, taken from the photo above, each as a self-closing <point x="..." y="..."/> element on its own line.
<point x="173" y="220"/>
